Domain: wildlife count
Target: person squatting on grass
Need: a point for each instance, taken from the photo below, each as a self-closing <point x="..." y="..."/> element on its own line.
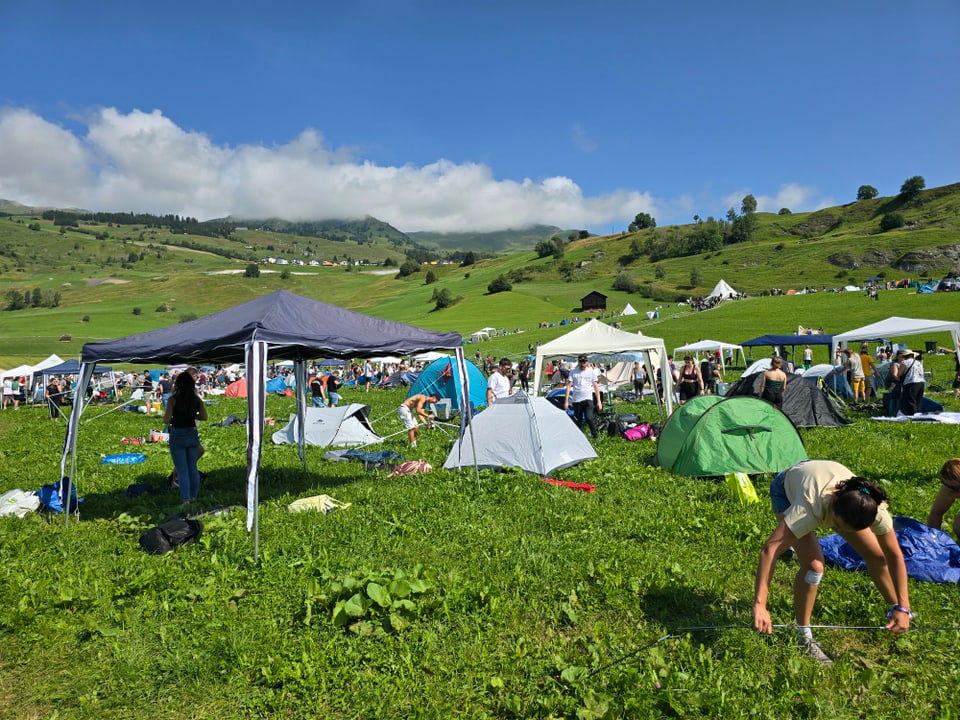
<point x="949" y="492"/>
<point x="183" y="410"/>
<point x="823" y="493"/>
<point x="415" y="404"/>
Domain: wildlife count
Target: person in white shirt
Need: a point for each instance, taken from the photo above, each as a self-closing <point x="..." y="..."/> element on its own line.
<point x="582" y="388"/>
<point x="498" y="384"/>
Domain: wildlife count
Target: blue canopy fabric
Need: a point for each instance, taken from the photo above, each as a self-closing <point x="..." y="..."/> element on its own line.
<point x="295" y="328"/>
<point x="788" y="340"/>
<point x="929" y="553"/>
<point x="70" y="367"/>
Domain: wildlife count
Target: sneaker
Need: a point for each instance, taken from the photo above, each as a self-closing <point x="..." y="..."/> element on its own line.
<point x="813" y="651"/>
<point x="413" y="444"/>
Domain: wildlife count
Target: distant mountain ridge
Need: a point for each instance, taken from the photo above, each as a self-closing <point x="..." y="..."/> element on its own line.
<point x="499" y="241"/>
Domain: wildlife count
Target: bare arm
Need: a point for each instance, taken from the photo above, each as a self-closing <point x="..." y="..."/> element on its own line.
<point x="596" y="390"/>
<point x="778" y="542"/>
<point x="202" y="412"/>
<point x="168" y="414"/>
<point x="941" y="503"/>
<point x="899" y="621"/>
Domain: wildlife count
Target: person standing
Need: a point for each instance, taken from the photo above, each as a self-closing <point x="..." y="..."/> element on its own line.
<point x="184" y="408"/>
<point x="823" y="493"/>
<point x="948" y="494"/>
<point x="583" y="391"/>
<point x="854" y="366"/>
<point x="334" y="383"/>
<point x="691" y="380"/>
<point x="523" y="374"/>
<point x="54" y="397"/>
<point x="318" y="393"/>
<point x="498" y="384"/>
<point x="807" y="357"/>
<point x="773" y="382"/>
<point x="869" y="376"/>
<point x="911" y="372"/>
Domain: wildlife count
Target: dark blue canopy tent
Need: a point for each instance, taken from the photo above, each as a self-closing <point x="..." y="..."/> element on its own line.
<point x="281" y="326"/>
<point x="790" y="341"/>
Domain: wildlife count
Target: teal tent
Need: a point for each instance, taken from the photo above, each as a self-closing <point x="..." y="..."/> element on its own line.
<point x="713" y="435"/>
<point x="440" y="378"/>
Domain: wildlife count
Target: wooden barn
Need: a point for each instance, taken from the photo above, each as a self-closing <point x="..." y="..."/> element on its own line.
<point x="593" y="301"/>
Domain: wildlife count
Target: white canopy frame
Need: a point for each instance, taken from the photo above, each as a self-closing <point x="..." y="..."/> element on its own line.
<point x="711" y="346"/>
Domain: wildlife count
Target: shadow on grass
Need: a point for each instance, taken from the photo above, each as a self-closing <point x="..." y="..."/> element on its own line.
<point x="223" y="487"/>
<point x="679" y="609"/>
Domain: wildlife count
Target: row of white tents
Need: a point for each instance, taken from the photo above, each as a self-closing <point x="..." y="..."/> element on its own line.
<point x="29" y="371"/>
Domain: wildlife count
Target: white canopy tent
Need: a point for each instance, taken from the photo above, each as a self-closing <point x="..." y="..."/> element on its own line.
<point x="723" y="290"/>
<point x="597" y="338"/>
<point x="896" y="327"/>
<point x="628" y="310"/>
<point x="711" y="346"/>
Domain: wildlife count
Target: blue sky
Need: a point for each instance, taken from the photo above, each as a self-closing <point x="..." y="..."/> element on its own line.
<point x="451" y="116"/>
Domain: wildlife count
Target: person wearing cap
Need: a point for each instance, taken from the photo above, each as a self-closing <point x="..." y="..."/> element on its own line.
<point x="334" y="383"/>
<point x="498" y="384"/>
<point x="583" y="392"/>
<point x="824" y="493"/>
<point x="910" y="371"/>
<point x="948" y="494"/>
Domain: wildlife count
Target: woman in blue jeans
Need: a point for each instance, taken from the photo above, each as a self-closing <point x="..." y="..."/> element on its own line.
<point x="183" y="410"/>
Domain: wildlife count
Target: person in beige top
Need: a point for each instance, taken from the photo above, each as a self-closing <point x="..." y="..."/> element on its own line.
<point x="823" y="493"/>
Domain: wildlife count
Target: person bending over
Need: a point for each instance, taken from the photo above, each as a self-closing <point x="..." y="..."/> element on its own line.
<point x="823" y="493"/>
<point x="415" y="404"/>
<point x="949" y="492"/>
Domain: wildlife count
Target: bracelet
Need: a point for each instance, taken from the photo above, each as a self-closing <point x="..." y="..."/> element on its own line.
<point x="900" y="609"/>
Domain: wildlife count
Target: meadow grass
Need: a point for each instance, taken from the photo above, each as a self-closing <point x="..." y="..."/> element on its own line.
<point x="527" y="594"/>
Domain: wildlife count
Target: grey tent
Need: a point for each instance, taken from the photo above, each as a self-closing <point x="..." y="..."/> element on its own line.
<point x="281" y="326"/>
<point x="525" y="432"/>
<point x="804" y="402"/>
<point x="340" y="426"/>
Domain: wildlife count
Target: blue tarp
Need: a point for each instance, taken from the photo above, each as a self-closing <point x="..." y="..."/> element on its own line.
<point x="930" y="554"/>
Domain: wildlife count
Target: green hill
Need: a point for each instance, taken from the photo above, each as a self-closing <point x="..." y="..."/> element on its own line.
<point x="103" y="280"/>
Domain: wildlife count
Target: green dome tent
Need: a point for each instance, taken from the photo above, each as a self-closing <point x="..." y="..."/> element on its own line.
<point x="713" y="435"/>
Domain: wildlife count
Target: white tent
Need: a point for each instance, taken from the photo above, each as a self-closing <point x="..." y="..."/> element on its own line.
<point x="896" y="327"/>
<point x="723" y="290"/>
<point x="525" y="432"/>
<point x="628" y="310"/>
<point x="711" y="346"/>
<point x="340" y="426"/>
<point x="597" y="338"/>
<point x="428" y="357"/>
<point x="19" y="371"/>
<point x="49" y="362"/>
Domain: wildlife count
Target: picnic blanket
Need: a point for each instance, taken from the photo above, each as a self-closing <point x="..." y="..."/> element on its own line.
<point x="930" y="554"/>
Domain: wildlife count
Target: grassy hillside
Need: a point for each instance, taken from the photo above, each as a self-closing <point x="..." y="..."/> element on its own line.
<point x="117" y="280"/>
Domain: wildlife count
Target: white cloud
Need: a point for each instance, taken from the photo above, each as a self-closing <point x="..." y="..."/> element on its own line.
<point x="582" y="140"/>
<point x="144" y="162"/>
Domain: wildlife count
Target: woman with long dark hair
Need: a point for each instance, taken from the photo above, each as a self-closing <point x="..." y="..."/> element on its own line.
<point x="823" y="493"/>
<point x="184" y="408"/>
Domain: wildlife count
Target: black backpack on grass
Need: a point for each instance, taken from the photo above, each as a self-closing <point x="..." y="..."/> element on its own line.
<point x="173" y="533"/>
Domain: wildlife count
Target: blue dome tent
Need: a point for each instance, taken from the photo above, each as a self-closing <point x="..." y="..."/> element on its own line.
<point x="440" y="378"/>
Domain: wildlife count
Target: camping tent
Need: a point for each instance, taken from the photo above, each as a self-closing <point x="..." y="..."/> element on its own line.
<point x="711" y="346"/>
<point x="340" y="426"/>
<point x="628" y="310"/>
<point x="238" y="388"/>
<point x="723" y="291"/>
<point x="711" y="435"/>
<point x="804" y="401"/>
<point x="598" y="339"/>
<point x="280" y="325"/>
<point x="525" y="432"/>
<point x="441" y="378"/>
<point x="896" y="327"/>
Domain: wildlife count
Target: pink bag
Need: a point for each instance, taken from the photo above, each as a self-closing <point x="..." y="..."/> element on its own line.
<point x="638" y="432"/>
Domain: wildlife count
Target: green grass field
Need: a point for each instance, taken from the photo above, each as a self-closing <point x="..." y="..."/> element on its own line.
<point x="529" y="600"/>
<point x="526" y="600"/>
